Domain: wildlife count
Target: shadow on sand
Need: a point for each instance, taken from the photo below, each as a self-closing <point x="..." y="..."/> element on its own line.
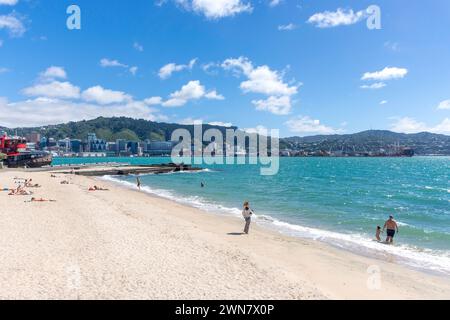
<point x="236" y="234"/>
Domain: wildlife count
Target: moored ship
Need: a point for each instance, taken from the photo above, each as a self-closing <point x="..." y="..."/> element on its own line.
<point x="18" y="156"/>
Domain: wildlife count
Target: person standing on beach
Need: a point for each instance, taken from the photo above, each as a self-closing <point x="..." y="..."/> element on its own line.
<point x="138" y="182"/>
<point x="378" y="233"/>
<point x="392" y="227"/>
<point x="247" y="214"/>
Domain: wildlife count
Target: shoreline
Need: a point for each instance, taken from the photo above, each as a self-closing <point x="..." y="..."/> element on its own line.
<point x="368" y="248"/>
<point x="128" y="244"/>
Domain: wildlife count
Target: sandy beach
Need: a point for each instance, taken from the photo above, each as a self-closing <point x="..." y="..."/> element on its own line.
<point x="124" y="244"/>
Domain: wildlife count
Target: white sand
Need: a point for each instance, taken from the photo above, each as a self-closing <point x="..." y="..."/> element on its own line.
<point x="122" y="244"/>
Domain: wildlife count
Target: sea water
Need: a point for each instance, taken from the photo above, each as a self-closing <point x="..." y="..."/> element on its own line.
<point x="339" y="201"/>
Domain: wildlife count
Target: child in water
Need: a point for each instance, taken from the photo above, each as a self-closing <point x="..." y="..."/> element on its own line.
<point x="378" y="233"/>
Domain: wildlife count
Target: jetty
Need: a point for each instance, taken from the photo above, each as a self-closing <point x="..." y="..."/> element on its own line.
<point x="115" y="169"/>
<point x="131" y="170"/>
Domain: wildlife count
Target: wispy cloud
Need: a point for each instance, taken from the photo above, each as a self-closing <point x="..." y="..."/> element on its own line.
<point x="137" y="46"/>
<point x="387" y="73"/>
<point x="8" y="2"/>
<point x="305" y="125"/>
<point x="375" y="86"/>
<point x="166" y="71"/>
<point x="109" y="63"/>
<point x="13" y="24"/>
<point x="287" y="27"/>
<point x="274" y="3"/>
<point x="340" y="17"/>
<point x="444" y="105"/>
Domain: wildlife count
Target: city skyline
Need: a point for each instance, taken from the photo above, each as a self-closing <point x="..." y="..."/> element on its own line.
<point x="302" y="67"/>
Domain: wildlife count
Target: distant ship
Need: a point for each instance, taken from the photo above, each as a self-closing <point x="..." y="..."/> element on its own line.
<point x="18" y="156"/>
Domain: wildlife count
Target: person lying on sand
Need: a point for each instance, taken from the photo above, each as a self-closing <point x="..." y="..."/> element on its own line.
<point x="65" y="182"/>
<point x="95" y="188"/>
<point x="19" y="192"/>
<point x="28" y="184"/>
<point x="40" y="200"/>
<point x="53" y="176"/>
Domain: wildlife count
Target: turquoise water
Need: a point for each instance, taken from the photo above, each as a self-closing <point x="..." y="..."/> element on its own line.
<point x="335" y="200"/>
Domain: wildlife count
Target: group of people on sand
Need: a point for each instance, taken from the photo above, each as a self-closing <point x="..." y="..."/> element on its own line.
<point x="21" y="191"/>
<point x="391" y="228"/>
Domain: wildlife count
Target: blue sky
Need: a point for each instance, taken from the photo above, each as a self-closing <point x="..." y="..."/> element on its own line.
<point x="302" y="66"/>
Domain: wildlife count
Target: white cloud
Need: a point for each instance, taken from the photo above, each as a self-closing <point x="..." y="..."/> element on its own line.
<point x="138" y="47"/>
<point x="411" y="125"/>
<point x="107" y="63"/>
<point x="221" y="124"/>
<point x="105" y="96"/>
<point x="193" y="90"/>
<point x="216" y="9"/>
<point x="274" y="3"/>
<point x="210" y="68"/>
<point x="191" y="121"/>
<point x="133" y="70"/>
<point x="3" y="70"/>
<point x="375" y="86"/>
<point x="393" y="46"/>
<point x="287" y="27"/>
<point x="265" y="81"/>
<point x="305" y="125"/>
<point x="166" y="71"/>
<point x="53" y="89"/>
<point x="387" y="73"/>
<point x="329" y="19"/>
<point x="12" y="24"/>
<point x="444" y="105"/>
<point x="58" y="102"/>
<point x="383" y="102"/>
<point x="276" y="105"/>
<point x="260" y="129"/>
<point x="153" y="101"/>
<point x="44" y="111"/>
<point x="8" y="2"/>
<point x="213" y="95"/>
<point x="54" y="73"/>
<point x="260" y="79"/>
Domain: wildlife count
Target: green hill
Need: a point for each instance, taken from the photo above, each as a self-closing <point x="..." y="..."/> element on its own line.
<point x="111" y="129"/>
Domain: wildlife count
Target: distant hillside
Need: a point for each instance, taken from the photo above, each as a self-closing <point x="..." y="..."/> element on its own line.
<point x="111" y="129"/>
<point x="373" y="140"/>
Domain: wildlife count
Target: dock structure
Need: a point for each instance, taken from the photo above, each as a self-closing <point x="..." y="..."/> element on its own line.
<point x="123" y="170"/>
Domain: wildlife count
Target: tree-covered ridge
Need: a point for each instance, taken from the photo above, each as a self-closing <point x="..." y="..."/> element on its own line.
<point x="111" y="129"/>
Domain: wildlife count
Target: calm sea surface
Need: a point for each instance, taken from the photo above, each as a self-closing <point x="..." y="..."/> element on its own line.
<point x="339" y="201"/>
